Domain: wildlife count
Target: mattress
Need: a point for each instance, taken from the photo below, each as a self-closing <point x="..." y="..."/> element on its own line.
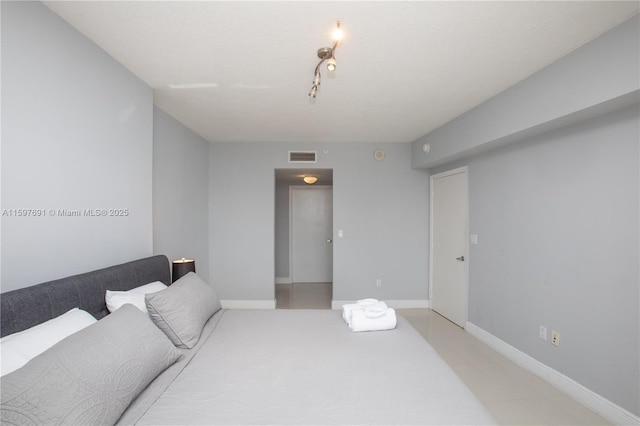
<point x="302" y="367"/>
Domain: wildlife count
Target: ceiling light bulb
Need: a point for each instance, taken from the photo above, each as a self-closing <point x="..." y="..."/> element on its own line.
<point x="337" y="33"/>
<point x="331" y="64"/>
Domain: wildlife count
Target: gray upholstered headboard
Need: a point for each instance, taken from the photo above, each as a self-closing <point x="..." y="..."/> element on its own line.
<point x="26" y="307"/>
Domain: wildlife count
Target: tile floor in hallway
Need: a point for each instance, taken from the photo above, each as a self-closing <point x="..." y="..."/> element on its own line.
<point x="511" y="394"/>
<point x="304" y="296"/>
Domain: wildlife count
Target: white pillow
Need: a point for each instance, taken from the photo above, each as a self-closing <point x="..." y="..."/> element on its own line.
<point x="19" y="348"/>
<point x="115" y="299"/>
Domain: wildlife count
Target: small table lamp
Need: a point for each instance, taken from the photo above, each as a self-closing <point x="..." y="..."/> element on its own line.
<point x="182" y="267"/>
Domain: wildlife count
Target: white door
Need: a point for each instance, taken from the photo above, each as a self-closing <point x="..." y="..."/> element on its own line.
<point x="311" y="234"/>
<point x="449" y="249"/>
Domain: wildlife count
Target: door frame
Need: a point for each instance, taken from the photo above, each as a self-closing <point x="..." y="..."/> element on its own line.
<point x="464" y="170"/>
<point x="305" y="188"/>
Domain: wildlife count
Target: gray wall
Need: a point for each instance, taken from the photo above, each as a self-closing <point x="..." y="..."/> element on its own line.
<point x="282" y="232"/>
<point x="555" y="205"/>
<point x="180" y="192"/>
<point x="76" y="134"/>
<point x="557" y="224"/>
<point x="381" y="206"/>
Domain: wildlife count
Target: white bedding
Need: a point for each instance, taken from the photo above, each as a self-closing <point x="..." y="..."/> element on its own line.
<point x="298" y="367"/>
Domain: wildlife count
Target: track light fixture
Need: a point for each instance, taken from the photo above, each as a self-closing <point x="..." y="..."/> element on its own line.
<point x="326" y="54"/>
<point x="331" y="64"/>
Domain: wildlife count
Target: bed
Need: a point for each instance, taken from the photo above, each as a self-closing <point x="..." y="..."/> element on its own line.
<point x="242" y="367"/>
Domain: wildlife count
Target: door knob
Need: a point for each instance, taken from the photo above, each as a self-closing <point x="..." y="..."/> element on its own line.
<point x="461" y="258"/>
<point x="329" y="241"/>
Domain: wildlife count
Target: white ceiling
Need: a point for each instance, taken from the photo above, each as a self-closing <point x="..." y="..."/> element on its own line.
<point x="404" y="67"/>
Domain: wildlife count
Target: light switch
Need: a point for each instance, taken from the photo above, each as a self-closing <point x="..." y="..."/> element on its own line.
<point x="340" y="233"/>
<point x="474" y="238"/>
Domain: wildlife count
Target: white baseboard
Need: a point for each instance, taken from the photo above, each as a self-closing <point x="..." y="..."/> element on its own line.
<point x="395" y="304"/>
<point x="283" y="280"/>
<point x="607" y="409"/>
<point x="248" y="304"/>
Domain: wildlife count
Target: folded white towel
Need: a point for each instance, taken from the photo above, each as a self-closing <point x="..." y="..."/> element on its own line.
<point x="366" y="302"/>
<point x="376" y="310"/>
<point x="346" y="311"/>
<point x="360" y="321"/>
<point x="360" y="304"/>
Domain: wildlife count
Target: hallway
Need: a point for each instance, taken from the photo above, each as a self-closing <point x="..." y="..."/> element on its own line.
<point x="304" y="296"/>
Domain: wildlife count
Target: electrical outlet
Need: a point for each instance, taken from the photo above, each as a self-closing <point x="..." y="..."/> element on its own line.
<point x="555" y="338"/>
<point x="543" y="332"/>
<point x="378" y="282"/>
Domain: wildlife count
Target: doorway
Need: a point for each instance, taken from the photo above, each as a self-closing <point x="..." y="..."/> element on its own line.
<point x="449" y="248"/>
<point x="304" y="239"/>
<point x="311" y="233"/>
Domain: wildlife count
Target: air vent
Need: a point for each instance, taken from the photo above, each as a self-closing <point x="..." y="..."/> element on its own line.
<point x="302" y="156"/>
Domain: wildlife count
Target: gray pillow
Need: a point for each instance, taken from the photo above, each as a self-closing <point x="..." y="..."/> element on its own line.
<point x="182" y="310"/>
<point x="90" y="377"/>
